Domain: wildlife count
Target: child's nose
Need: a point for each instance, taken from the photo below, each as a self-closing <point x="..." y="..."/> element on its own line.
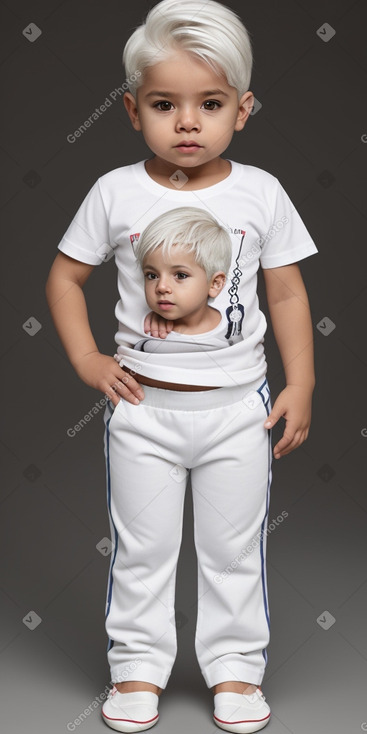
<point x="163" y="286"/>
<point x="188" y="119"/>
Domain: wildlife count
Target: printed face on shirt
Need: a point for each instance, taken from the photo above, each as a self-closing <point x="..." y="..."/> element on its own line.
<point x="181" y="101"/>
<point x="177" y="288"/>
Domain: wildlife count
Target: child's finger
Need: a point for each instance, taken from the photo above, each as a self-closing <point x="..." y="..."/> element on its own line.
<point x="154" y="324"/>
<point x="164" y="327"/>
<point x="147" y="322"/>
<point x="157" y="326"/>
<point x="287" y="443"/>
<point x="125" y="387"/>
<point x="273" y="417"/>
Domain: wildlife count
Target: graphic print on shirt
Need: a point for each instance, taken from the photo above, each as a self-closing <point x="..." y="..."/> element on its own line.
<point x="235" y="312"/>
<point x="134" y="238"/>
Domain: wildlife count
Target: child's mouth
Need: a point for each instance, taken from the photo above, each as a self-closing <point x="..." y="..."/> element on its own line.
<point x="188" y="147"/>
<point x="165" y="304"/>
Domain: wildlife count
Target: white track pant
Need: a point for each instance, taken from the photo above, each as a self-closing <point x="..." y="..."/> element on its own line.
<point x="219" y="435"/>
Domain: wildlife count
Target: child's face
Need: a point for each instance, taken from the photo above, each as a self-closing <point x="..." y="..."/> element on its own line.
<point x="182" y="100"/>
<point x="177" y="287"/>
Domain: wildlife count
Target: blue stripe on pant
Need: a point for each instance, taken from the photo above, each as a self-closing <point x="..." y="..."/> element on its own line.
<point x="264" y="393"/>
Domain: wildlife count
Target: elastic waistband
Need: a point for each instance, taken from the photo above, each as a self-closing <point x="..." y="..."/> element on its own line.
<point x="157" y="397"/>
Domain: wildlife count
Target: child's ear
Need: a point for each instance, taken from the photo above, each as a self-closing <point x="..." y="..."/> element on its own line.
<point x="132" y="110"/>
<point x="245" y="107"/>
<point x="217" y="283"/>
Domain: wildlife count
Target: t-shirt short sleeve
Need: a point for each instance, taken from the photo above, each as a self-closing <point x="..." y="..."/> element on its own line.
<point x="287" y="239"/>
<point x="87" y="237"/>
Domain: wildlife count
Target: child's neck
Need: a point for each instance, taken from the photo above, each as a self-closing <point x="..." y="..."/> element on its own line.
<point x="192" y="325"/>
<point x="200" y="177"/>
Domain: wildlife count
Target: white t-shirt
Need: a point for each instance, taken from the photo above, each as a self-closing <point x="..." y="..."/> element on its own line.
<point x="265" y="229"/>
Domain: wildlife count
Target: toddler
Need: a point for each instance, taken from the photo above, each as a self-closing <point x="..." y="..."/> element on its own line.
<point x="205" y="410"/>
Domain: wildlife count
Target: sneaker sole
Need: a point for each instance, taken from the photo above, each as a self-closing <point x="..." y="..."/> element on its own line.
<point x="128" y="727"/>
<point x="243" y="727"/>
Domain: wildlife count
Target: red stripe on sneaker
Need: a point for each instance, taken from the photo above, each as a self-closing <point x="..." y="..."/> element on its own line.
<point x="131" y="721"/>
<point x="242" y="721"/>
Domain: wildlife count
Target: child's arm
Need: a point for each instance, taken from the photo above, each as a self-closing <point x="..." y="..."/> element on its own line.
<point x="65" y="297"/>
<point x="291" y="320"/>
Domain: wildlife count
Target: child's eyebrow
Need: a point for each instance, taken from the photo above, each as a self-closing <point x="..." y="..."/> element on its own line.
<point x="206" y="93"/>
<point x="173" y="267"/>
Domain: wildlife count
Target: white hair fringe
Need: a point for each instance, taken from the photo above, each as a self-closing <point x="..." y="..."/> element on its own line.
<point x="206" y="29"/>
<point x="192" y="229"/>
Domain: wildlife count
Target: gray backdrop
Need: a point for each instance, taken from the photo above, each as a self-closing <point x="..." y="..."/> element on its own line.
<point x="61" y="60"/>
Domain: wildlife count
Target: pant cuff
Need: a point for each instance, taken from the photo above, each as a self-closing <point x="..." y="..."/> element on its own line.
<point x="145" y="672"/>
<point x="219" y="673"/>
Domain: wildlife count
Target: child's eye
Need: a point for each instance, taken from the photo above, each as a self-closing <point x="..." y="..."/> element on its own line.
<point x="163" y="102"/>
<point x="182" y="276"/>
<point x="150" y="276"/>
<point x="212" y="102"/>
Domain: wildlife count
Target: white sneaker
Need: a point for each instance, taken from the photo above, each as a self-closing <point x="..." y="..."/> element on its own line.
<point x="240" y="713"/>
<point x="130" y="712"/>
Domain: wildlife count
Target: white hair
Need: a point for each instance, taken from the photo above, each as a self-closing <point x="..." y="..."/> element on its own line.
<point x="207" y="29"/>
<point x="193" y="230"/>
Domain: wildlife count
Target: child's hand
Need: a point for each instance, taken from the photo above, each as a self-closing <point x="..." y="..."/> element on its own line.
<point x="104" y="373"/>
<point x="294" y="404"/>
<point x="157" y="325"/>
